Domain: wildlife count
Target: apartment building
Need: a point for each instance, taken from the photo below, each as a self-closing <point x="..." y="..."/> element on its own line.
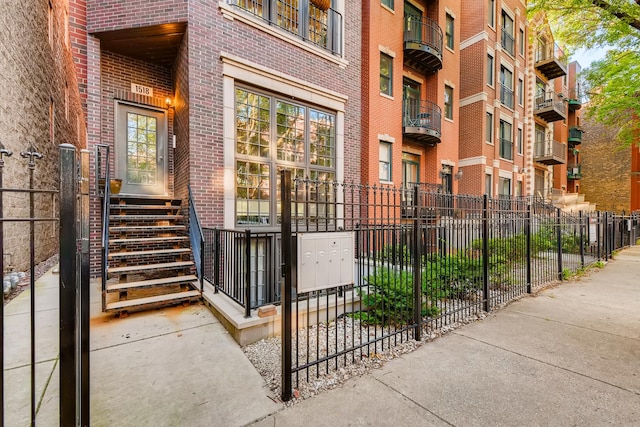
<point x="495" y="115"/>
<point x="410" y="93"/>
<point x="221" y="96"/>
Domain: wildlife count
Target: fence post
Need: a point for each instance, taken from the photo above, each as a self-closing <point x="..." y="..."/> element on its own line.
<point x="416" y="250"/>
<point x="485" y="252"/>
<point x="216" y="260"/>
<point x="598" y="235"/>
<point x="581" y="219"/>
<point x="527" y="231"/>
<point x="3" y="152"/>
<point x="247" y="287"/>
<point x="68" y="285"/>
<point x="84" y="290"/>
<point x="285" y="309"/>
<point x="605" y="235"/>
<point x="559" y="244"/>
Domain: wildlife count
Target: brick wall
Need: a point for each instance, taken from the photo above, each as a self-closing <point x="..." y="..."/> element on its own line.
<point x="38" y="82"/>
<point x="108" y="15"/>
<point x="605" y="168"/>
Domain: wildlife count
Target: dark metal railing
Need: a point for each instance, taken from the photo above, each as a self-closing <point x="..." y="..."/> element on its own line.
<point x="508" y="41"/>
<point x="103" y="162"/>
<point x="506" y="95"/>
<point x="575" y="93"/>
<point x="423" y="30"/>
<point x="421" y="114"/>
<point x="549" y="51"/>
<point x="196" y="237"/>
<point x="550" y="99"/>
<point x="415" y="273"/>
<point x="575" y="133"/>
<point x="318" y="27"/>
<point x="574" y="171"/>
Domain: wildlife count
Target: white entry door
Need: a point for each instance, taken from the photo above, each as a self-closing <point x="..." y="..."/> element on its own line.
<point x="141" y="150"/>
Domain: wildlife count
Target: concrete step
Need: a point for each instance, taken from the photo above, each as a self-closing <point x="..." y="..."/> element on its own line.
<point x="131" y="254"/>
<point x="147" y="267"/>
<point x="118" y="287"/>
<point x="154" y="301"/>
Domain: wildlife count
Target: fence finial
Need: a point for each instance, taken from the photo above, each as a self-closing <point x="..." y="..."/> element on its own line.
<point x="33" y="155"/>
<point x="4" y="152"/>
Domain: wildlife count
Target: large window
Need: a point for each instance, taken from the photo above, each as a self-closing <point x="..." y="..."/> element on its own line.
<point x="385" y="161"/>
<point x="506" y="87"/>
<point x="504" y="187"/>
<point x="449" y="31"/>
<point x="274" y="134"/>
<point x="506" y="140"/>
<point x="386" y="74"/>
<point x="490" y="69"/>
<point x="300" y="17"/>
<point x="448" y="102"/>
<point x="489" y="128"/>
<point x="508" y="42"/>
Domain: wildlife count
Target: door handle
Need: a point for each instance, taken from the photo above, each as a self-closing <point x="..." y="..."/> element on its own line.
<point x="160" y="158"/>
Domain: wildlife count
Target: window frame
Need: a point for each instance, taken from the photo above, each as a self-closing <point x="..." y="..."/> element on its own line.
<point x="388" y="147"/>
<point x="450" y="29"/>
<point x="511" y="34"/>
<point x="504" y="72"/>
<point x="520" y="92"/>
<point x="492" y="14"/>
<point x="522" y="42"/>
<point x="503" y="153"/>
<point x="488" y="184"/>
<point x="489" y="128"/>
<point x="389" y="78"/>
<point x="390" y="5"/>
<point x="448" y="103"/>
<point x="519" y="141"/>
<point x="491" y="70"/>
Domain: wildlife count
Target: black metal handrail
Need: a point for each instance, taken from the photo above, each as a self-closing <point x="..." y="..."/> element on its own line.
<point x="104" y="150"/>
<point x="196" y="237"/>
<point x="423" y="30"/>
<point x="422" y="114"/>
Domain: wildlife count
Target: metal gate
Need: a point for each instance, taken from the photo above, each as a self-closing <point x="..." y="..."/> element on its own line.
<point x="73" y="220"/>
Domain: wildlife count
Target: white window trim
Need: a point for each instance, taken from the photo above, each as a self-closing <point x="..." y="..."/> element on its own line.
<point x="236" y="69"/>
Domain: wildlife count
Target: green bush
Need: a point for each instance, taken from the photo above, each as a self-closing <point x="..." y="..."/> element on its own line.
<point x="451" y="276"/>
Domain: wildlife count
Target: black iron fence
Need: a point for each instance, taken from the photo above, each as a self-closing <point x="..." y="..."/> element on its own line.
<point x="73" y="220"/>
<point x="452" y="258"/>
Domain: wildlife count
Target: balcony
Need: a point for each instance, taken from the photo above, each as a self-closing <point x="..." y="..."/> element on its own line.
<point x="421" y="121"/>
<point x="550" y="61"/>
<point x="574" y="100"/>
<point x="574" y="171"/>
<point x="549" y="152"/>
<point x="506" y="96"/>
<point x="550" y="106"/>
<point x="506" y="149"/>
<point x="508" y="42"/>
<point x="575" y="136"/>
<point x="422" y="44"/>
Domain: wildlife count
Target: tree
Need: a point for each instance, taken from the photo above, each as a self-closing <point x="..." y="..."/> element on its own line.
<point x="613" y="83"/>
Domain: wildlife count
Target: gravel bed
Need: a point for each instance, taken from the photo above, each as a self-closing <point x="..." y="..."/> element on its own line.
<point x="40" y="270"/>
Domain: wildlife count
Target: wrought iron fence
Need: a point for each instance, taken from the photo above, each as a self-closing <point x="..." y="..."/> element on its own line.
<point x="452" y="258"/>
<point x="196" y="237"/>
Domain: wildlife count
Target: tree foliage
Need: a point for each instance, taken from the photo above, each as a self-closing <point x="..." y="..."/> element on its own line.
<point x="613" y="83"/>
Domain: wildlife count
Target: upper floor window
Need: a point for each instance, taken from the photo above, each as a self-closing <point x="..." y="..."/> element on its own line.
<point x="489" y="128"/>
<point x="507" y="33"/>
<point x="522" y="42"/>
<point x="506" y="87"/>
<point x="449" y="31"/>
<point x="506" y="141"/>
<point x="490" y="68"/>
<point x="492" y="13"/>
<point x="520" y="92"/>
<point x="386" y="74"/>
<point x="385" y="161"/>
<point x="388" y="3"/>
<point x="448" y="102"/>
<point x="311" y="21"/>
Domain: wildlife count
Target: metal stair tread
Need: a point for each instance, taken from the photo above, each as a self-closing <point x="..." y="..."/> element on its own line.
<point x="119" y="305"/>
<point x="148" y="253"/>
<point x="132" y="268"/>
<point x="147" y="227"/>
<point x="149" y="239"/>
<point x="145" y="207"/>
<point x="115" y="287"/>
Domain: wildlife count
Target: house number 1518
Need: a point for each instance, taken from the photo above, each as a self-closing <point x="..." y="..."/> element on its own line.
<point x="141" y="90"/>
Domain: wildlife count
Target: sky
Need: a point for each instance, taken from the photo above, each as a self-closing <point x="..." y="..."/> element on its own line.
<point x="586" y="56"/>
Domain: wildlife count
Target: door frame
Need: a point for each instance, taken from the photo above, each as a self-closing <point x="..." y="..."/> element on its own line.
<point x="162" y="145"/>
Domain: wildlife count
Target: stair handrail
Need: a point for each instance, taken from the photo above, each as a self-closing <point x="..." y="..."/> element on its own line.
<point x="196" y="237"/>
<point x="106" y="197"/>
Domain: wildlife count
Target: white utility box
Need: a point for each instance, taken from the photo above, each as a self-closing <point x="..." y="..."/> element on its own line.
<point x="325" y="260"/>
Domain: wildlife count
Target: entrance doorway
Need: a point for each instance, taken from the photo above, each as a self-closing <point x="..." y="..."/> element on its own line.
<point x="141" y="150"/>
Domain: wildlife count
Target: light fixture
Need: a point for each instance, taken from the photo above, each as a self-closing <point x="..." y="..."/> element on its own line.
<point x="458" y="174"/>
<point x="168" y="101"/>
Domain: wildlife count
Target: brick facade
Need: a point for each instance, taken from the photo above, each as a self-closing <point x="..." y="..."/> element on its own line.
<point x="41" y="104"/>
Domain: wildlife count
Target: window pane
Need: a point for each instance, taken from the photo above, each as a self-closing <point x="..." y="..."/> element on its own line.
<point x="448" y="102"/>
<point x="385" y="162"/>
<point x="287" y="15"/>
<point x="252" y="124"/>
<point x="492" y="12"/>
<point x="318" y="26"/>
<point x="388" y="3"/>
<point x="386" y="74"/>
<point x="489" y="126"/>
<point x="142" y="165"/>
<point x="252" y="193"/>
<point x="449" y="31"/>
<point x="322" y="138"/>
<point x="490" y="68"/>
<point x="290" y="132"/>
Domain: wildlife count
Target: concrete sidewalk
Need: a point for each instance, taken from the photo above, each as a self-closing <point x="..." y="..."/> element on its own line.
<point x="172" y="367"/>
<point x="570" y="356"/>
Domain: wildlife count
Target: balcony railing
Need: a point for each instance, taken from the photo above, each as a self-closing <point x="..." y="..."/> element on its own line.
<point x="508" y="42"/>
<point x="574" y="171"/>
<point x="506" y="96"/>
<point x="550" y="106"/>
<point x="575" y="98"/>
<point x="575" y="136"/>
<point x="506" y="149"/>
<point x="422" y="43"/>
<point x="550" y="60"/>
<point x="548" y="151"/>
<point x="323" y="28"/>
<point x="421" y="120"/>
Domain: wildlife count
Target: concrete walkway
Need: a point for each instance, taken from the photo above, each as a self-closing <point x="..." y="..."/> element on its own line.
<point x="570" y="356"/>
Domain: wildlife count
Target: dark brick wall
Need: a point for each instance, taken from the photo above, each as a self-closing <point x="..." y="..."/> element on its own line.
<point x="37" y="72"/>
<point x="108" y="15"/>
